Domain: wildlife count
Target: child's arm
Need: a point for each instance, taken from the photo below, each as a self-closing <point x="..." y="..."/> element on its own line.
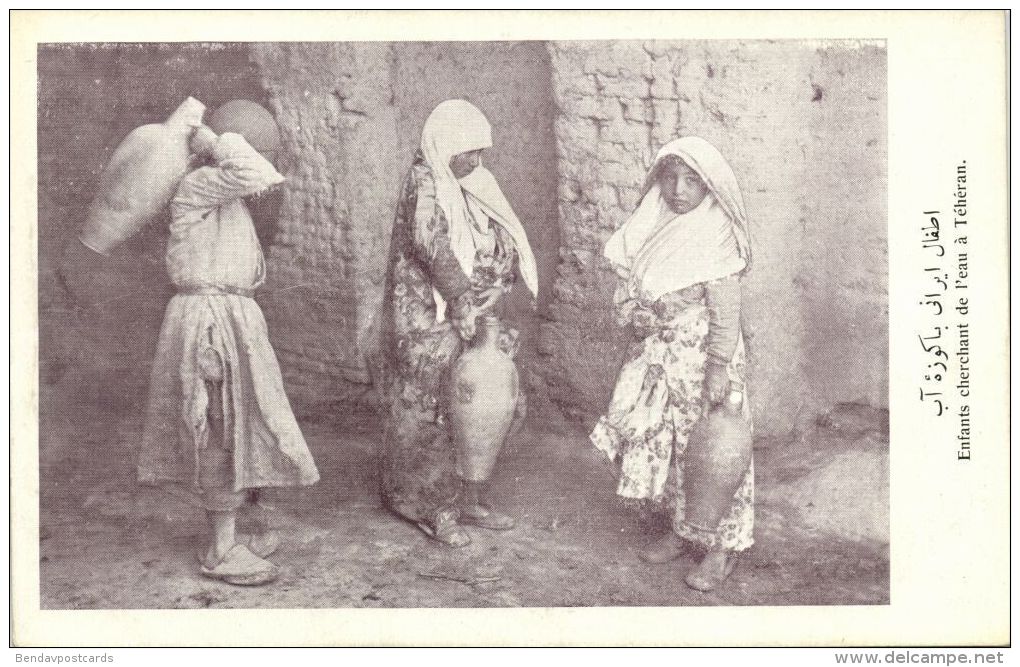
<point x="238" y="171"/>
<point x="723" y="301"/>
<point x="432" y="241"/>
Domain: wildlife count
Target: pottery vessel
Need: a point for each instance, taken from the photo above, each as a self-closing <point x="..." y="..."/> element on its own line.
<point x="140" y="179"/>
<point x="484" y="387"/>
<point x="717" y="457"/>
<point x="252" y="121"/>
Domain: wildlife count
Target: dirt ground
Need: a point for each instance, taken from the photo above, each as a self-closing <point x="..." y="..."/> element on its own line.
<point x="106" y="542"/>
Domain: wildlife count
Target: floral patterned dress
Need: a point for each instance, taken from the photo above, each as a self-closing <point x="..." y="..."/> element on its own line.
<point x="419" y="480"/>
<point x="658" y="399"/>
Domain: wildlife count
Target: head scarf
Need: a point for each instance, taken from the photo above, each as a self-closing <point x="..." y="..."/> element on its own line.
<point x="454" y="127"/>
<point x="659" y="251"/>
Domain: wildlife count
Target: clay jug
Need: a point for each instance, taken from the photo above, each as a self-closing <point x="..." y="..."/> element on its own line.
<point x="484" y="386"/>
<point x="141" y="178"/>
<point x="252" y="121"/>
<point x="717" y="457"/>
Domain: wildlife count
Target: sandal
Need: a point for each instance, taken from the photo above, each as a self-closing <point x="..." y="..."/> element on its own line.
<point x="707" y="582"/>
<point x="241" y="567"/>
<point x="262" y="545"/>
<point x="486" y="517"/>
<point x="446" y="530"/>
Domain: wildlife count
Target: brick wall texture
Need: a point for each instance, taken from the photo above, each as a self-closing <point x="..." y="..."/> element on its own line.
<point x="804" y="127"/>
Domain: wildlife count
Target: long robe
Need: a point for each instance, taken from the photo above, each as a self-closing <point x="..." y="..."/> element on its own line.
<point x="216" y="262"/>
<point x="658" y="399"/>
<point x="419" y="468"/>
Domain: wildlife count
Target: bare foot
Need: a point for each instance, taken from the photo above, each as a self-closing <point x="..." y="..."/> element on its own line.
<point x="214" y="554"/>
<point x="711" y="571"/>
<point x="663" y="550"/>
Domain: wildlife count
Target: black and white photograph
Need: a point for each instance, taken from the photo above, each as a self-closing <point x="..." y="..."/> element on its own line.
<point x="472" y="323"/>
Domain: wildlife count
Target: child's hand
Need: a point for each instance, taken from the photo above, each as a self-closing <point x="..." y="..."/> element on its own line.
<point x="464" y="323"/>
<point x="203" y="139"/>
<point x="717" y="382"/>
<point x="489" y="298"/>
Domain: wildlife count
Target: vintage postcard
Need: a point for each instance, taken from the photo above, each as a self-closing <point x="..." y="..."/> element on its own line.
<point x="515" y="328"/>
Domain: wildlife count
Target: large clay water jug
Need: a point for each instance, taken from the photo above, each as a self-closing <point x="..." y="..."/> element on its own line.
<point x="141" y="178"/>
<point x="484" y="386"/>
<point x="717" y="457"/>
<point x="252" y="121"/>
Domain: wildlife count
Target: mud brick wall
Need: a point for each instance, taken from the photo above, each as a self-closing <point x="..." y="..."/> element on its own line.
<point x="804" y="127"/>
<point x="333" y="104"/>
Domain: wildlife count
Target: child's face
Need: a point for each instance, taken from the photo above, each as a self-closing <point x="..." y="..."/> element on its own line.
<point x="463" y="164"/>
<point x="682" y="188"/>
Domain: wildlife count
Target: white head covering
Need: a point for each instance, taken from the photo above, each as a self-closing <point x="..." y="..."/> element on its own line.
<point x="454" y="127"/>
<point x="659" y="251"/>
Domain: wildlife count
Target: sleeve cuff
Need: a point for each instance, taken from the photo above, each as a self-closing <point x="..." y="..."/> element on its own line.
<point x="231" y="150"/>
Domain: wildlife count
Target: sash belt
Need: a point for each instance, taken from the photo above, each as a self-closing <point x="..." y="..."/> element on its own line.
<point x="217" y="290"/>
